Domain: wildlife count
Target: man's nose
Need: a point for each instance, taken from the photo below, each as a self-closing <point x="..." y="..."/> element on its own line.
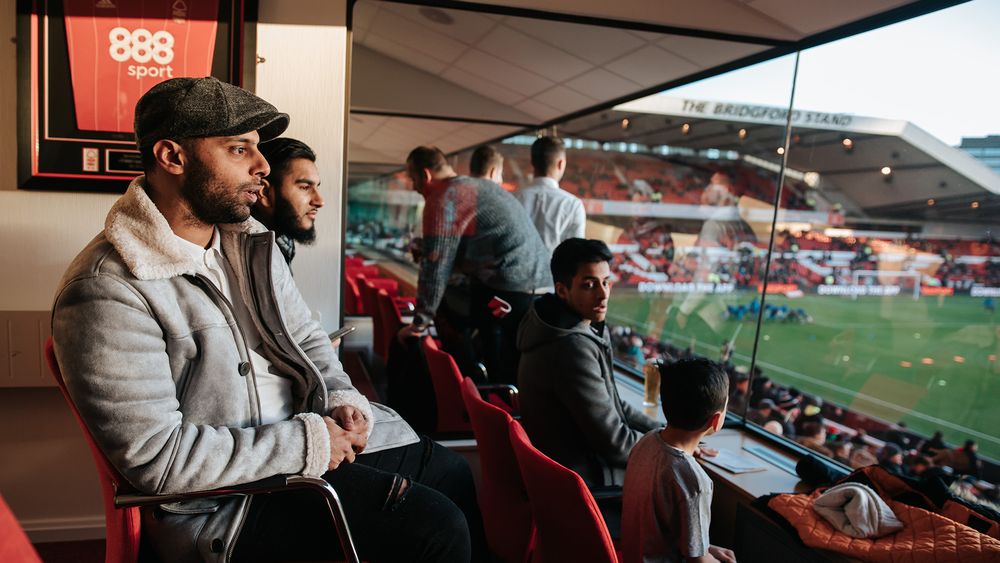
<point x="317" y="199"/>
<point x="260" y="166"/>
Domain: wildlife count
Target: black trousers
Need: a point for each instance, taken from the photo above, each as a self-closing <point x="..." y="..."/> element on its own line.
<point x="499" y="336"/>
<point x="436" y="518"/>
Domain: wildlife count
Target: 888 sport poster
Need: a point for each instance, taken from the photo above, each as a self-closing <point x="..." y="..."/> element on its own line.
<point x="85" y="65"/>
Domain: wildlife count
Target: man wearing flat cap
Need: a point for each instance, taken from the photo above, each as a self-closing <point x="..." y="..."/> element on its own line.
<point x="196" y="364"/>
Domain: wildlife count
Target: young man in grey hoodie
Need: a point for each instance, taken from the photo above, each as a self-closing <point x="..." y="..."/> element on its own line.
<point x="569" y="403"/>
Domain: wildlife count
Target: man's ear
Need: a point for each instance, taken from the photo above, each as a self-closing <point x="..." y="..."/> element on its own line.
<point x="170" y="156"/>
<point x="268" y="195"/>
<point x="562" y="291"/>
<point x="427" y="175"/>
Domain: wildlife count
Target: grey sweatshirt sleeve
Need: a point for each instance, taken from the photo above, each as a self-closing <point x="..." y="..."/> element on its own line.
<point x="113" y="354"/>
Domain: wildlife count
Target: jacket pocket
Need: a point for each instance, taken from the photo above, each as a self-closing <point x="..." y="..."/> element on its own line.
<point x="196" y="506"/>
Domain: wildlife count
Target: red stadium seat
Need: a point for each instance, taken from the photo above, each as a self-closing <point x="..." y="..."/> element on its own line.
<point x="447" y="381"/>
<point x="121" y="503"/>
<point x="568" y="524"/>
<point x="502" y="495"/>
<point x="369" y="288"/>
<point x="14" y="544"/>
<point x="387" y="322"/>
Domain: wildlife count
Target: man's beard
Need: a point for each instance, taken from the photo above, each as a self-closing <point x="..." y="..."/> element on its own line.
<point x="286" y="222"/>
<point x="211" y="201"/>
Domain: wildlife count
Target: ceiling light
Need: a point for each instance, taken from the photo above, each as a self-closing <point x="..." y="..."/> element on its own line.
<point x="886" y="171"/>
<point x="930" y="201"/>
<point x="743" y="134"/>
<point x="781" y="150"/>
<point x="437" y="16"/>
<point x="975" y="205"/>
<point x="686" y="129"/>
<point x="848" y="145"/>
<point x="625" y="124"/>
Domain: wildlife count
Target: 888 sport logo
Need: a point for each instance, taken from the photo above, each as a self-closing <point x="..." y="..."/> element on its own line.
<point x="143" y="46"/>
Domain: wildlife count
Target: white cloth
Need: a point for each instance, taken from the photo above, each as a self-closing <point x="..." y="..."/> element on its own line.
<point x="274" y="392"/>
<point x="857" y="511"/>
<point x="556" y="213"/>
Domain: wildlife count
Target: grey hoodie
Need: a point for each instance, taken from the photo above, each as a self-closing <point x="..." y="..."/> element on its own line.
<point x="569" y="403"/>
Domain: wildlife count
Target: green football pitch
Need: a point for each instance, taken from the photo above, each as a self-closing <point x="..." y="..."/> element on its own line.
<point x="932" y="362"/>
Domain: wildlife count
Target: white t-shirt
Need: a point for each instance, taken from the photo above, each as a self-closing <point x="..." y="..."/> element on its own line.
<point x="666" y="504"/>
<point x="273" y="390"/>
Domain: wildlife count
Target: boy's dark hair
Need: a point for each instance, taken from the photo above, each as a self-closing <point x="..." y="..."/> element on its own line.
<point x="570" y="253"/>
<point x="279" y="152"/>
<point x="545" y="151"/>
<point x="484" y="158"/>
<point x="430" y="158"/>
<point x="691" y="391"/>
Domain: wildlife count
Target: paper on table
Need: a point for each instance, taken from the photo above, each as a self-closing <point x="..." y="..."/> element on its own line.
<point x="734" y="463"/>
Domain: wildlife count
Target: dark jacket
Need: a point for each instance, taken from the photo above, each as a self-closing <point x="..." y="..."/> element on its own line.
<point x="569" y="403"/>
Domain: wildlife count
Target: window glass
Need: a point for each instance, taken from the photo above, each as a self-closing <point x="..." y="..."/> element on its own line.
<point x="882" y="325"/>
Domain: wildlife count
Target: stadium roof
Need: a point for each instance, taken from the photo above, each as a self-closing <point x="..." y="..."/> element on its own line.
<point x="922" y="166"/>
<point x="458" y="74"/>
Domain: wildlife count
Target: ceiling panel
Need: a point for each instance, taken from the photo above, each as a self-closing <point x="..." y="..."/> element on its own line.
<point x="391" y="25"/>
<point x="565" y="98"/>
<point x="467" y="27"/>
<point x="636" y="66"/>
<point x="517" y="78"/>
<point x="595" y="45"/>
<point x="602" y="85"/>
<point x="532" y="54"/>
<point x="707" y="53"/>
<point x="484" y="86"/>
<point x="404" y="54"/>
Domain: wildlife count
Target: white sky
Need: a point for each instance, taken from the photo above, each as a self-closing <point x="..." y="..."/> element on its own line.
<point x="940" y="71"/>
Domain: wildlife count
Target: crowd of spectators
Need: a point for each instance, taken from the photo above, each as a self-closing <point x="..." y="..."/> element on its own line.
<point x="822" y="427"/>
<point x="646" y="251"/>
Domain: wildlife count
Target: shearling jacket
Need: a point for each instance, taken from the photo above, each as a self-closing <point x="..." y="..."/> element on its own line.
<point x="570" y="406"/>
<point x="158" y="367"/>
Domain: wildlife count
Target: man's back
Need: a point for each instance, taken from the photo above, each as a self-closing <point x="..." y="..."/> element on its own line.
<point x="556" y="213"/>
<point x="483" y="231"/>
<point x="666" y="504"/>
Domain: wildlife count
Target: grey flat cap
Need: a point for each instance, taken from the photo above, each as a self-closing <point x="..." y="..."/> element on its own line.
<point x="181" y="108"/>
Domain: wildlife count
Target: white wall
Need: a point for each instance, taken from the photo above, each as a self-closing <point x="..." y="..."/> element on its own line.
<point x="46" y="473"/>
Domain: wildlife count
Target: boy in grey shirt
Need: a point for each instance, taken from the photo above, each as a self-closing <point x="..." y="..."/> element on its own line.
<point x="667" y="497"/>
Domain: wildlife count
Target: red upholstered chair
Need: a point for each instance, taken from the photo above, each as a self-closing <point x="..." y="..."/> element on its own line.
<point x="447" y="381"/>
<point x="568" y="524"/>
<point x="369" y="290"/>
<point x="122" y="502"/>
<point x="503" y="498"/>
<point x="387" y="322"/>
<point x="353" y="261"/>
<point x="14" y="544"/>
<point x="352" y="297"/>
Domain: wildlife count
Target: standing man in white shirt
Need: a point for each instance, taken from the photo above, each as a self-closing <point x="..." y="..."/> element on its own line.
<point x="557" y="214"/>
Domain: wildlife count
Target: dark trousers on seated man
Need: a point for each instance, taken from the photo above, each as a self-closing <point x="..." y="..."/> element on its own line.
<point x="384" y="519"/>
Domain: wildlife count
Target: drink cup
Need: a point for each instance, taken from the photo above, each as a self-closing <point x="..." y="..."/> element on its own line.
<point x="652" y="384"/>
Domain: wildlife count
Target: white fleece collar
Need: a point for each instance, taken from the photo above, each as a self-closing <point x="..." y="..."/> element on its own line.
<point x="143" y="238"/>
